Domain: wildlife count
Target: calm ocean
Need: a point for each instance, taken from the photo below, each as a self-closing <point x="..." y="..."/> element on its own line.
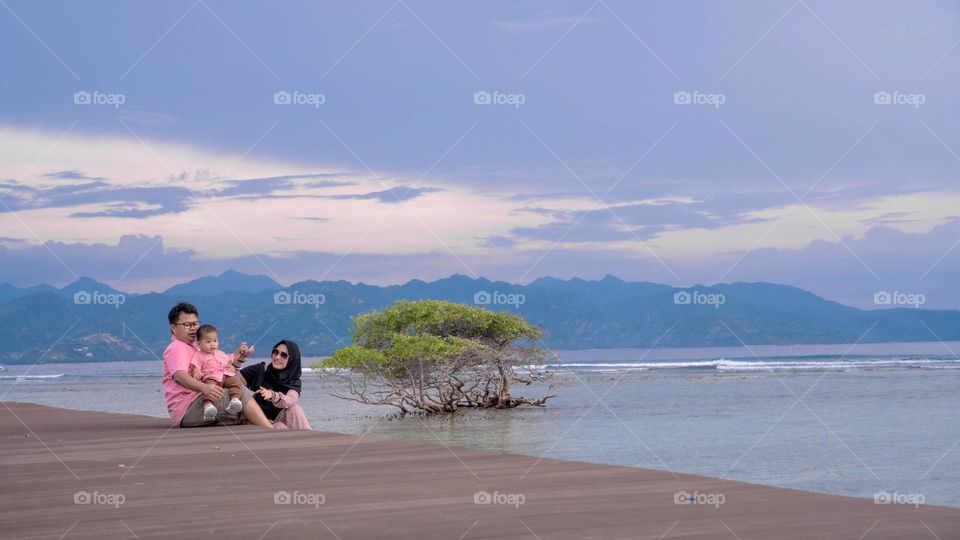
<point x="874" y="418"/>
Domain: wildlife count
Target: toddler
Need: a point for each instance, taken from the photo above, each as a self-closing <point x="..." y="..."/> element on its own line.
<point x="214" y="366"/>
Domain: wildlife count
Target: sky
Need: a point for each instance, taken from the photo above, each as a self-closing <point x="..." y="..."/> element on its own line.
<point x="809" y="143"/>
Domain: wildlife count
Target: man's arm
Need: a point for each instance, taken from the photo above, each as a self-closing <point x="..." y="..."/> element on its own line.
<point x="210" y="391"/>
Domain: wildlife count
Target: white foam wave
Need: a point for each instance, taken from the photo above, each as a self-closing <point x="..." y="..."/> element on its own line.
<point x="644" y="365"/>
<point x="722" y="364"/>
<point x="29" y="377"/>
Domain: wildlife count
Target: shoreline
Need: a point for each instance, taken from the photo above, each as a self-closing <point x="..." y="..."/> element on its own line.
<point x="748" y="350"/>
<point x="235" y="480"/>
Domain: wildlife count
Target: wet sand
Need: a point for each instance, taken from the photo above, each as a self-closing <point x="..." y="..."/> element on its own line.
<point x="76" y="474"/>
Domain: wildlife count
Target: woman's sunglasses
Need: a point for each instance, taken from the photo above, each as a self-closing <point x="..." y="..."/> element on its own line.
<point x="281" y="354"/>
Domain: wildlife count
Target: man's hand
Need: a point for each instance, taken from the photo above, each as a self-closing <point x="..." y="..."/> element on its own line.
<point x="185" y="380"/>
<point x="213" y="392"/>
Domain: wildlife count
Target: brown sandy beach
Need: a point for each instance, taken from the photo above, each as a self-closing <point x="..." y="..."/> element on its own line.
<point x="74" y="474"/>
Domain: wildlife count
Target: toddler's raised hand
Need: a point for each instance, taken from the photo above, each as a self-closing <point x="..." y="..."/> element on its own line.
<point x="243" y="352"/>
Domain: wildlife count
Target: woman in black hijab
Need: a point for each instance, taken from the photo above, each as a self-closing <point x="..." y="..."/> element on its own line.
<point x="277" y="386"/>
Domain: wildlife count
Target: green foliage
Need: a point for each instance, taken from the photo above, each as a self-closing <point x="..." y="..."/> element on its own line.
<point x="403" y="350"/>
<point x="427" y="331"/>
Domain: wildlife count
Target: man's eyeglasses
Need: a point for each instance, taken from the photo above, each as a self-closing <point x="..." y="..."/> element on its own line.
<point x="188" y="325"/>
<point x="281" y="354"/>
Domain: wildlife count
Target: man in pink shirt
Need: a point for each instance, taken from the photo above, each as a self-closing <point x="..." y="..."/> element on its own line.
<point x="184" y="394"/>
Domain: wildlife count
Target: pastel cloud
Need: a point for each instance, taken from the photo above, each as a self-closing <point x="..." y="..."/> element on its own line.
<point x="226" y="206"/>
<point x="195" y="210"/>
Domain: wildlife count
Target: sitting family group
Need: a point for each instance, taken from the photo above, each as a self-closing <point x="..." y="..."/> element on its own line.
<point x="205" y="386"/>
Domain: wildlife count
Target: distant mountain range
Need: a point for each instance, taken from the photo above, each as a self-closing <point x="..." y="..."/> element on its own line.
<point x="229" y="281"/>
<point x="90" y="321"/>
